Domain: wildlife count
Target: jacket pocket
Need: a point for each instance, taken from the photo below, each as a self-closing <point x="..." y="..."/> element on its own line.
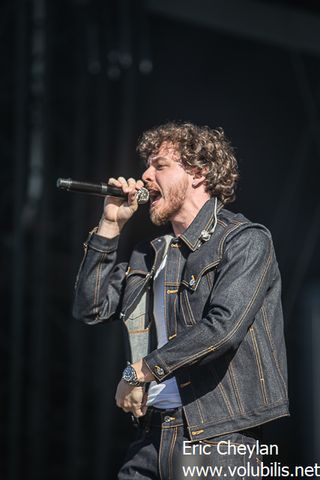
<point x="186" y="310"/>
<point x="195" y="293"/>
<point x="193" y="278"/>
<point x="259" y="364"/>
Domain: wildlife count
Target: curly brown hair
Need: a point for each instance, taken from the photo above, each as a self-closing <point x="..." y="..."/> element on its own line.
<point x="202" y="147"/>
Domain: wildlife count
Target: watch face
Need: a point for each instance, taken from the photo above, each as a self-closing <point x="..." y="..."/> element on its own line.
<point x="128" y="374"/>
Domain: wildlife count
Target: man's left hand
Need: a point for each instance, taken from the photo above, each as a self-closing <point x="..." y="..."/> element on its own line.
<point x="131" y="399"/>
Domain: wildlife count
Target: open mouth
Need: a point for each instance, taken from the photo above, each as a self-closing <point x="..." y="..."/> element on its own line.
<point x="155" y="196"/>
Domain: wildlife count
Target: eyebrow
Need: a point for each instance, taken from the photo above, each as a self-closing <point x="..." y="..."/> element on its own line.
<point x="155" y="159"/>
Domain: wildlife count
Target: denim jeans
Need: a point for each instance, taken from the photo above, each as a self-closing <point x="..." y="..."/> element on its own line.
<point x="162" y="451"/>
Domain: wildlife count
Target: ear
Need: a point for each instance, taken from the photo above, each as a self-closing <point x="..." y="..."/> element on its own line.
<point x="198" y="177"/>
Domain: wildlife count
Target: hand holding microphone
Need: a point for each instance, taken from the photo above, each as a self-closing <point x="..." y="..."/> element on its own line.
<point x="122" y="198"/>
<point x="99" y="189"/>
<point x="117" y="211"/>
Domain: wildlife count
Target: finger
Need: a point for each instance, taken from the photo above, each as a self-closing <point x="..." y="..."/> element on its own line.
<point x="123" y="182"/>
<point x="132" y="193"/>
<point x="131" y="182"/>
<point x="132" y="198"/>
<point x="114" y="181"/>
<point x="137" y="412"/>
<point x="131" y="186"/>
<point x="139" y="184"/>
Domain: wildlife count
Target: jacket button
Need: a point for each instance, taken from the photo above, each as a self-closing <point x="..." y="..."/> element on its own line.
<point x="158" y="370"/>
<point x="192" y="282"/>
<point x="205" y="236"/>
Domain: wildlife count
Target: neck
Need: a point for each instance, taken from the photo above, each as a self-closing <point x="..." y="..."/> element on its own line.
<point x="185" y="216"/>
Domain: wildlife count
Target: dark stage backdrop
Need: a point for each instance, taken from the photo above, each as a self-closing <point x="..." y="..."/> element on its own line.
<point x="80" y="81"/>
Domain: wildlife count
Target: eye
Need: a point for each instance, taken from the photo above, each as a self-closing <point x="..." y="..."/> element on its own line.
<point x="160" y="166"/>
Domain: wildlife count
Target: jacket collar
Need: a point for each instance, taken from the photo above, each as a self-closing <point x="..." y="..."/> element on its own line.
<point x="203" y="222"/>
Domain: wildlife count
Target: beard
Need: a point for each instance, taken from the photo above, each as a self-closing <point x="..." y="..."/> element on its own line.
<point x="171" y="204"/>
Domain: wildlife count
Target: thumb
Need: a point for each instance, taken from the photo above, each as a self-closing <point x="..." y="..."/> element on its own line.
<point x="138" y="412"/>
<point x="133" y="199"/>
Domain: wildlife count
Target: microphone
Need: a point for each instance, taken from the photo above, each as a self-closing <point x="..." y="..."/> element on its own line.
<point x="99" y="189"/>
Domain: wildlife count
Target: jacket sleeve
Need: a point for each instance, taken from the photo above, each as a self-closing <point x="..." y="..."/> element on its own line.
<point x="241" y="284"/>
<point x="100" y="281"/>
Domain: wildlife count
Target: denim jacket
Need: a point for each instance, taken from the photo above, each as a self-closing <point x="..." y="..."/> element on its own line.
<point x="224" y="318"/>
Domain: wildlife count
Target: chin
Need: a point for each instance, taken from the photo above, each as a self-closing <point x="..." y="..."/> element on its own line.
<point x="159" y="217"/>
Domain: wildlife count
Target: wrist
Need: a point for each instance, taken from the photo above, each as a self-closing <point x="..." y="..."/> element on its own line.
<point x="130" y="376"/>
<point x="109" y="229"/>
<point x="144" y="374"/>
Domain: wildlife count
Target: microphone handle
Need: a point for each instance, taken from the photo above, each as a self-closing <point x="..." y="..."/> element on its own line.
<point x="98" y="189"/>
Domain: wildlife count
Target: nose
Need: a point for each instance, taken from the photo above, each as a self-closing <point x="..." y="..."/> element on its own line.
<point x="148" y="174"/>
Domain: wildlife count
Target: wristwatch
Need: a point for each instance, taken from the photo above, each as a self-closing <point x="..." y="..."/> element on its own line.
<point x="129" y="375"/>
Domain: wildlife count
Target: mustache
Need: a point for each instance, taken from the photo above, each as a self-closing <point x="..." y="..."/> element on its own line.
<point x="151" y="186"/>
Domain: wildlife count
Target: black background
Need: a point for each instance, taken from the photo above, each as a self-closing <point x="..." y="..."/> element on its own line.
<point x="80" y="81"/>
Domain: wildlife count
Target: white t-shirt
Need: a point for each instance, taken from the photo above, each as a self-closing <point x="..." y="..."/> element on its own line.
<point x="165" y="394"/>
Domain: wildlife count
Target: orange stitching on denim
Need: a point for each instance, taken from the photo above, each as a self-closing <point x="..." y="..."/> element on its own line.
<point x="198" y="404"/>
<point x="265" y="322"/>
<point x="184" y="311"/>
<point x="160" y="452"/>
<point x="142" y="330"/>
<point x="189" y="309"/>
<point x="132" y="271"/>
<point x="214" y="422"/>
<point x="222" y="390"/>
<point x="85" y="246"/>
<point x="182" y="385"/>
<point x="236" y="327"/>
<point x="170" y="427"/>
<point x="235" y="386"/>
<point x="175" y="318"/>
<point x="173" y="442"/>
<point x="136" y="284"/>
<point x="259" y="364"/>
<point x="137" y="291"/>
<point x="208" y="224"/>
<point x="202" y="272"/>
<point x="229" y="230"/>
<point x="220" y="222"/>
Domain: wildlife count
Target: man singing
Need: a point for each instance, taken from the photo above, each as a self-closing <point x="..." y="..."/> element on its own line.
<point x="202" y="307"/>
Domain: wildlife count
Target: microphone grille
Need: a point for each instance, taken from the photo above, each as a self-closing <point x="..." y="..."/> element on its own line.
<point x="143" y="196"/>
